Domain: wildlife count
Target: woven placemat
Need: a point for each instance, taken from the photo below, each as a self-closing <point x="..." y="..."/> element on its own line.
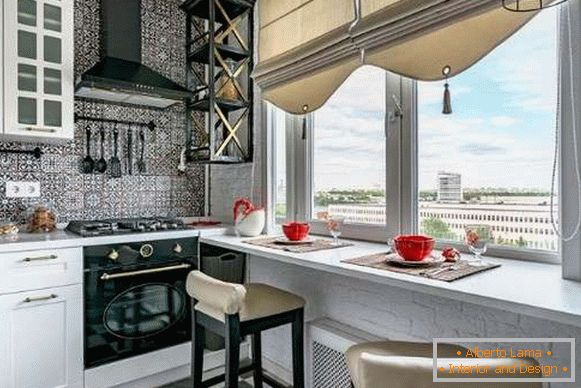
<point x="449" y="273"/>
<point x="318" y="244"/>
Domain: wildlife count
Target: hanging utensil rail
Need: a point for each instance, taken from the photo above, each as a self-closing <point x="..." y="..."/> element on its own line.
<point x="36" y="152"/>
<point x="150" y="125"/>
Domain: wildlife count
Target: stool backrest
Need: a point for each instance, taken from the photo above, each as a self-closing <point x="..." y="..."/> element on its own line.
<point x="227" y="298"/>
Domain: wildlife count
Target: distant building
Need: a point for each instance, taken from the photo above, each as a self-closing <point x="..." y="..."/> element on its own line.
<point x="357" y="213"/>
<point x="529" y="224"/>
<point x="449" y="187"/>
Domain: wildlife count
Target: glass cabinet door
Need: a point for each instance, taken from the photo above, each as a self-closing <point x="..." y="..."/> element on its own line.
<point x="38" y="70"/>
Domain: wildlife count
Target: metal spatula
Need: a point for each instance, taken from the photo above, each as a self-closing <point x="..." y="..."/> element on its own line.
<point x="115" y="163"/>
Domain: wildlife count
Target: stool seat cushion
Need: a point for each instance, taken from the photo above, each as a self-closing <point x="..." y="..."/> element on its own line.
<point x="251" y="301"/>
<point x="261" y="301"/>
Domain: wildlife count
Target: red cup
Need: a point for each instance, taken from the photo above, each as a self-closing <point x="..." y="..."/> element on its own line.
<point x="413" y="247"/>
<point x="296" y="231"/>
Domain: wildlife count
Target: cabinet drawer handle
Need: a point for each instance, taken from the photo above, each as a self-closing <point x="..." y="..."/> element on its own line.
<point x="40" y="298"/>
<point x="40" y="258"/>
<point x="34" y="129"/>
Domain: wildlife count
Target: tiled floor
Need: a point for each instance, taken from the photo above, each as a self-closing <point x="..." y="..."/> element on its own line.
<point x="246" y="380"/>
<point x="187" y="383"/>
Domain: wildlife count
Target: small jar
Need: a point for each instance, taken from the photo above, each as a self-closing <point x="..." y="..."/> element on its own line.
<point x="41" y="218"/>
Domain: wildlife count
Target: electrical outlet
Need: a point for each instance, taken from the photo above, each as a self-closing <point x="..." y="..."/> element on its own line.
<point x="22" y="189"/>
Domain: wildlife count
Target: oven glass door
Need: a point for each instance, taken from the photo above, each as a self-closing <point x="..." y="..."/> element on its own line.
<point x="133" y="312"/>
<point x="144" y="311"/>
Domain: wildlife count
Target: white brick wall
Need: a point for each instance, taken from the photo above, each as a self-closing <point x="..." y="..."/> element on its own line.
<point x="395" y="313"/>
<point x="229" y="182"/>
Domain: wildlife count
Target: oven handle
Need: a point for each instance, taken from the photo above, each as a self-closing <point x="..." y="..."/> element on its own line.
<point x="107" y="276"/>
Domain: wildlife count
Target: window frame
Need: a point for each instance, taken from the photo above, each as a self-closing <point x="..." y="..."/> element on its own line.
<point x="300" y="175"/>
<point x="499" y="251"/>
<point x="402" y="210"/>
<point x="392" y="134"/>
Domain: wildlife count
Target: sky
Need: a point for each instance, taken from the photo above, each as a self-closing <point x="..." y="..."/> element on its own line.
<point x="501" y="133"/>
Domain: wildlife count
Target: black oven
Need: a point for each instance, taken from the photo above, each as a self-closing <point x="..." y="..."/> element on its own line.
<point x="135" y="298"/>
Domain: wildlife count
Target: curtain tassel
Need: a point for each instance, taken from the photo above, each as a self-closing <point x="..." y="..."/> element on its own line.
<point x="447" y="96"/>
<point x="447" y="100"/>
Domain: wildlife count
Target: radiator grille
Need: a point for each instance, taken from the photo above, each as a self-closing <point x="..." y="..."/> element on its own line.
<point x="329" y="368"/>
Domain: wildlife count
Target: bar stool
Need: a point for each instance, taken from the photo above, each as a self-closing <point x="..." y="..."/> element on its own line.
<point x="235" y="311"/>
<point x="392" y="364"/>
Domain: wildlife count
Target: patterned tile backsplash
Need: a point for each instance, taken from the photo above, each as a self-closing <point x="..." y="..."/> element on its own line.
<point x="162" y="190"/>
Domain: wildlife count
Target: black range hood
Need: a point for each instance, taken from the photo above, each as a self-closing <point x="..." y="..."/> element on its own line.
<point x="120" y="77"/>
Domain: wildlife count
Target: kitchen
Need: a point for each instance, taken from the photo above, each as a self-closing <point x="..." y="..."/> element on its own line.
<point x="121" y="164"/>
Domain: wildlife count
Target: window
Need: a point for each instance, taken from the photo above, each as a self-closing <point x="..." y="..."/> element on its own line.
<point x="348" y="171"/>
<point x="492" y="154"/>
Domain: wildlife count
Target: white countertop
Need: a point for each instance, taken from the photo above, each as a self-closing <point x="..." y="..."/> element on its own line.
<point x="64" y="239"/>
<point x="534" y="289"/>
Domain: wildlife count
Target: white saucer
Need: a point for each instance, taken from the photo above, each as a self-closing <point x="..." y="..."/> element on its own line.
<point x="285" y="241"/>
<point x="427" y="262"/>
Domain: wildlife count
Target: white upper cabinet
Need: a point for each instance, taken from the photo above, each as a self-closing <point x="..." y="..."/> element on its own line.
<point x="38" y="69"/>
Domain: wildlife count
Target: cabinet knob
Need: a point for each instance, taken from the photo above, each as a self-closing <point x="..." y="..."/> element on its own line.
<point x="113" y="255"/>
<point x="146" y="250"/>
<point x="178" y="248"/>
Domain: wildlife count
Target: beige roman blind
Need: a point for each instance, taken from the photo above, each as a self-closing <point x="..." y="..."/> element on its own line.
<point x="307" y="48"/>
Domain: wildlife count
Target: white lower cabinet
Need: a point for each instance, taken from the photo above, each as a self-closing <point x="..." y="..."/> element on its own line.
<point x="41" y="338"/>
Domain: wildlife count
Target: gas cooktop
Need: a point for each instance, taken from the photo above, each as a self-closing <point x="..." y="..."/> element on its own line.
<point x="124" y="225"/>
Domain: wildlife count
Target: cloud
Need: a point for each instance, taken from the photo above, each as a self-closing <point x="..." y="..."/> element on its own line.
<point x="531" y="80"/>
<point x="349" y="134"/>
<point x="504" y="121"/>
<point x="485" y="156"/>
<point x="367" y="84"/>
<point x="482" y="149"/>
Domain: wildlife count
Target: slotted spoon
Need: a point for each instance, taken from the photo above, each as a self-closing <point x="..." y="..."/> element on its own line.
<point x="101" y="165"/>
<point x="115" y="163"/>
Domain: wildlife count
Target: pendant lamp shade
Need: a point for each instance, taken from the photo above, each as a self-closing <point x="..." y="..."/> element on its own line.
<point x="307" y="50"/>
